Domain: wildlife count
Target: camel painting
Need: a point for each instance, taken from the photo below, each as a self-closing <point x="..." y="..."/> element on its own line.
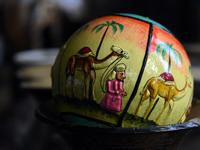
<point x="161" y="86"/>
<point x="86" y="61"/>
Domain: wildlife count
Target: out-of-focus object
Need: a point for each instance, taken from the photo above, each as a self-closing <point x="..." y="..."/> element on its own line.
<point x="51" y="19"/>
<point x="171" y="137"/>
<point x="193" y="50"/>
<point x="123" y="70"/>
<point x="36" y="57"/>
<point x="1" y="50"/>
<point x="35" y="77"/>
<point x="35" y="67"/>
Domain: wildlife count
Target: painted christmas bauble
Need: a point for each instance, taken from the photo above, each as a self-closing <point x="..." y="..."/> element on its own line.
<point x="122" y="70"/>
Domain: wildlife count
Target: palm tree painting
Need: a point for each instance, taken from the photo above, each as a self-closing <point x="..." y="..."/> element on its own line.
<point x="162" y="48"/>
<point x="108" y="24"/>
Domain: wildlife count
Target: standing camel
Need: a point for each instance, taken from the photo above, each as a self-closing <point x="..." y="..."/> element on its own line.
<point x="87" y="62"/>
<point x="157" y="86"/>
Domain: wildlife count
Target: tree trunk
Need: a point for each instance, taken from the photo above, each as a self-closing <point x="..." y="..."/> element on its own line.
<point x="98" y="49"/>
<point x="169" y="65"/>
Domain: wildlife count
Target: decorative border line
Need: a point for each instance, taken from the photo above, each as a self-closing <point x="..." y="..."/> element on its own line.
<point x="139" y="77"/>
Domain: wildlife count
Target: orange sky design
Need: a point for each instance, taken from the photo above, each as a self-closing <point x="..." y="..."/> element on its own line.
<point x="134" y="30"/>
<point x="137" y="32"/>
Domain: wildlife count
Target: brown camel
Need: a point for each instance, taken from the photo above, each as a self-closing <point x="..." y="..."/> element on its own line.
<point x="157" y="86"/>
<point x="87" y="62"/>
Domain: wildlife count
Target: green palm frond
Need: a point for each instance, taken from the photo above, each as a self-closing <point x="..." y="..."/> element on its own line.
<point x="163" y="53"/>
<point x="175" y="56"/>
<point x="163" y="48"/>
<point x="108" y="23"/>
<point x="179" y="55"/>
<point x="158" y="49"/>
<point x="113" y="22"/>
<point x="85" y="28"/>
<point x="97" y="26"/>
<point x="121" y="27"/>
<point x="100" y="28"/>
<point x="172" y="51"/>
<point x="114" y="28"/>
<point x="114" y="25"/>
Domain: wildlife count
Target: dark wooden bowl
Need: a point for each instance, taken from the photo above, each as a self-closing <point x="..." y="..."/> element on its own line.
<point x="95" y="138"/>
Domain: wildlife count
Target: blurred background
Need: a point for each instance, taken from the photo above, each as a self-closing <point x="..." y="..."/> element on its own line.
<point x="31" y="32"/>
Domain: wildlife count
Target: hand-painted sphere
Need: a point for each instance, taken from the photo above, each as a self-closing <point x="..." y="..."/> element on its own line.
<point x="122" y="70"/>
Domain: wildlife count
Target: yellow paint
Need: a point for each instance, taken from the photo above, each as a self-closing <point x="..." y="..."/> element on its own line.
<point x="133" y="40"/>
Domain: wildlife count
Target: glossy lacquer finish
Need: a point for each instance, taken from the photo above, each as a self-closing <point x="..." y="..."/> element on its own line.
<point x="122" y="70"/>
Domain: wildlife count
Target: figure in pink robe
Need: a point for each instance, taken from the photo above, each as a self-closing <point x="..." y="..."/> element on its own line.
<point x="112" y="101"/>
